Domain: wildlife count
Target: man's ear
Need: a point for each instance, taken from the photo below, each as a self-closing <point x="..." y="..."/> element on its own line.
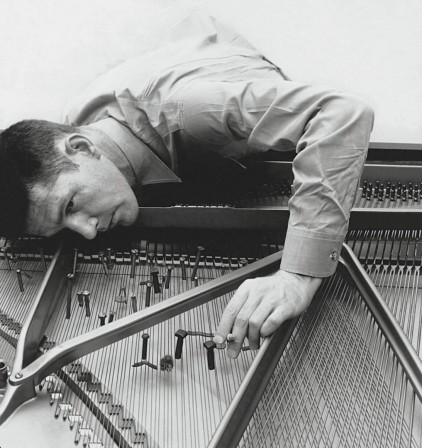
<point x="75" y="143"/>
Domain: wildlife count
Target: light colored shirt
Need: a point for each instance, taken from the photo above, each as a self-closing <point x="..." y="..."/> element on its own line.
<point x="208" y="89"/>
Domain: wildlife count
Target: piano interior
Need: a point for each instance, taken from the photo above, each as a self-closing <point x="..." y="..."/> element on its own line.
<point x="119" y="330"/>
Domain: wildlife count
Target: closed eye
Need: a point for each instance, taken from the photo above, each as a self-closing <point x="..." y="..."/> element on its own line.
<point x="69" y="206"/>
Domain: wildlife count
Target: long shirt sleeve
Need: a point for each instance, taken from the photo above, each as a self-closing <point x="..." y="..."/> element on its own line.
<point x="330" y="131"/>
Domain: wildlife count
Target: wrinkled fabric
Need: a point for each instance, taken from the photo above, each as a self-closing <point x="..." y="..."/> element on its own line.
<point x="206" y="89"/>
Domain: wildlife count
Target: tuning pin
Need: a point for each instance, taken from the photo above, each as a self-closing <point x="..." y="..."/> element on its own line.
<point x="80" y="297"/>
<point x="20" y="281"/>
<point x="109" y="255"/>
<point x="43" y="262"/>
<point x="145" y="338"/>
<point x="155" y="280"/>
<point x="102" y="318"/>
<point x="133" y="302"/>
<point x="148" y="294"/>
<point x="133" y="257"/>
<point x="183" y="267"/>
<point x="151" y="257"/>
<point x="199" y="254"/>
<point x="75" y="261"/>
<point x="168" y="277"/>
<point x="101" y="256"/>
<point x="70" y="278"/>
<point x="86" y="296"/>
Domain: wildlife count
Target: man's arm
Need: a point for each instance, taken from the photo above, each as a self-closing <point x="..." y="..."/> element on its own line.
<point x="331" y="133"/>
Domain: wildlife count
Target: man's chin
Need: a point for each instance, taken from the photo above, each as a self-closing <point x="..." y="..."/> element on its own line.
<point x="130" y="218"/>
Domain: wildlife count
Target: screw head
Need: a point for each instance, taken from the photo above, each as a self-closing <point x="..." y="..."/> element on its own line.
<point x="18" y="376"/>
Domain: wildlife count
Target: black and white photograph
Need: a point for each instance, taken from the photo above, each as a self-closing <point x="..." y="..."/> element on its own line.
<point x="210" y="224"/>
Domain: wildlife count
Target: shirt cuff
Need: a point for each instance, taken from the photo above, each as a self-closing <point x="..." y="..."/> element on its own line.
<point x="311" y="253"/>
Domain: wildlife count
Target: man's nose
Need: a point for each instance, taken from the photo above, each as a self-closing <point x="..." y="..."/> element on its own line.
<point x="84" y="225"/>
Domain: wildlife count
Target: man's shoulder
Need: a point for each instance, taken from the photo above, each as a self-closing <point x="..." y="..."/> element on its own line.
<point x="198" y="40"/>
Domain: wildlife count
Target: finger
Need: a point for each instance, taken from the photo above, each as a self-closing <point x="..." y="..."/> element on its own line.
<point x="275" y="319"/>
<point x="256" y="321"/>
<point x="287" y="310"/>
<point x="234" y="346"/>
<point x="229" y="314"/>
<point x="241" y="326"/>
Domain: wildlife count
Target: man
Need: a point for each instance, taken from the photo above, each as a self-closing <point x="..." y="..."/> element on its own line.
<point x="204" y="90"/>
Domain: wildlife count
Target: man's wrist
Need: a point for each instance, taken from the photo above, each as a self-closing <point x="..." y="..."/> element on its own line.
<point x="311" y="279"/>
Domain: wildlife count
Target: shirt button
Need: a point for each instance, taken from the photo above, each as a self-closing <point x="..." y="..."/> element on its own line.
<point x="334" y="256"/>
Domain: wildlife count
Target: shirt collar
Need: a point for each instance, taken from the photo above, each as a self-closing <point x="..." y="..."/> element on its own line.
<point x="146" y="166"/>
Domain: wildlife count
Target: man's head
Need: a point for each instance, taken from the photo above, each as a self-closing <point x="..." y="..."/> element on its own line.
<point x="55" y="177"/>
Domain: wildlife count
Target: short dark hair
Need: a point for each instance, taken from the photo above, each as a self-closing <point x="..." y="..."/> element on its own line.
<point x="28" y="155"/>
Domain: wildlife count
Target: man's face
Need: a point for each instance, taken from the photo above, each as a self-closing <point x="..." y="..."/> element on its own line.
<point x="92" y="199"/>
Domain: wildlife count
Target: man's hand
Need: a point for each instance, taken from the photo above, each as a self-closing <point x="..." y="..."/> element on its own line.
<point x="261" y="305"/>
